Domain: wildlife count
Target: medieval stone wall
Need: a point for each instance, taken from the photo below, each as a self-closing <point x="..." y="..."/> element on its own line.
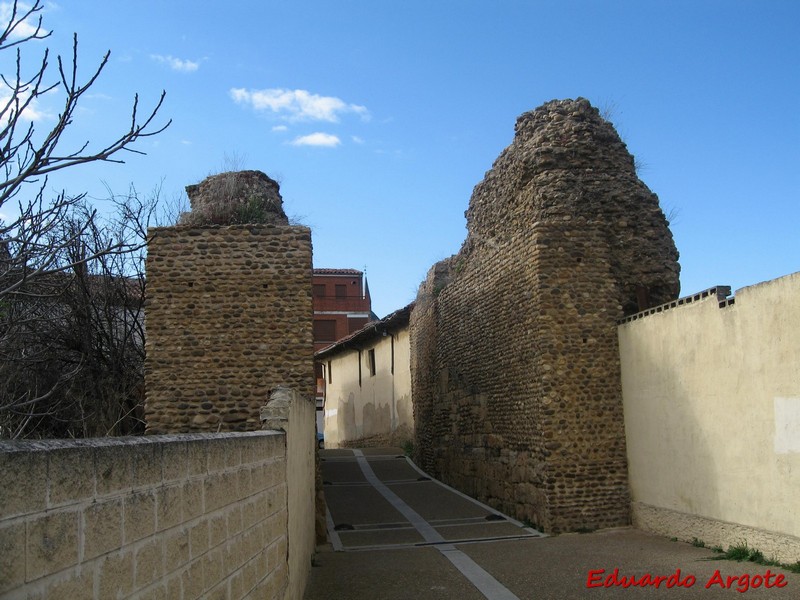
<point x="228" y="317"/>
<point x="515" y="363"/>
<point x="235" y="197"/>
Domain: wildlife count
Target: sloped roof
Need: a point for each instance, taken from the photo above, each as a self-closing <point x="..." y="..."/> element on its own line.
<point x="374" y="329"/>
<point x="337" y="272"/>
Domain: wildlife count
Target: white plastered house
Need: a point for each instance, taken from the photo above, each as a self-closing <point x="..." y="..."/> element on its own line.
<point x="368" y="384"/>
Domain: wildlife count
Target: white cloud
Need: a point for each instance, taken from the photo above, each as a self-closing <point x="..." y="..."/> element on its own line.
<point x="297" y="105"/>
<point x="177" y="64"/>
<point x="32" y="112"/>
<point x="186" y="142"/>
<point x="357" y="140"/>
<point x="24" y="29"/>
<point x="280" y="128"/>
<point x="317" y="139"/>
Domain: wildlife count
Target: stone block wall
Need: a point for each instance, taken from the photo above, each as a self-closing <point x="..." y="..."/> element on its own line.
<point x="179" y="517"/>
<point x="294" y="414"/>
<point x="515" y="363"/>
<point x="228" y="317"/>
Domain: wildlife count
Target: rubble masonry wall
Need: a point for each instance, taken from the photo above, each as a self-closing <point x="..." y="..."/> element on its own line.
<point x="515" y="363"/>
<point x="228" y="318"/>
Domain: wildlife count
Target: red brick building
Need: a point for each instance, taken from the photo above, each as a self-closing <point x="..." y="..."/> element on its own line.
<point x="341" y="305"/>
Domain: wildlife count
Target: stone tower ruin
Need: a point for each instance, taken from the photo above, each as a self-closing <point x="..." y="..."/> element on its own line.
<point x="229" y="312"/>
<point x="515" y="364"/>
<point x="235" y="197"/>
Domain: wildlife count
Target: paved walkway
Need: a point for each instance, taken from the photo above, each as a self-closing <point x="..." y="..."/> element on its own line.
<point x="397" y="534"/>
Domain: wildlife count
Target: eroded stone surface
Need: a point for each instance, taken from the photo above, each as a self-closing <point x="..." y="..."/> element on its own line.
<point x="229" y="317"/>
<point x="514" y="348"/>
<point x="235" y="197"/>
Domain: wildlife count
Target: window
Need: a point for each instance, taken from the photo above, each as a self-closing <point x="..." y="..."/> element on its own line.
<point x="356" y="323"/>
<point x="371" y="362"/>
<point x="319" y="290"/>
<point x="341" y="291"/>
<point x="325" y="331"/>
<point x="330" y="373"/>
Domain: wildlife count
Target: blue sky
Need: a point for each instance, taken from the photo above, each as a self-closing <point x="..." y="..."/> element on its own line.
<point x="378" y="118"/>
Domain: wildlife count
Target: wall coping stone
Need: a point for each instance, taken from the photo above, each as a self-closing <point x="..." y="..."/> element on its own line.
<point x="275" y="415"/>
<point x="9" y="446"/>
<point x="721" y="292"/>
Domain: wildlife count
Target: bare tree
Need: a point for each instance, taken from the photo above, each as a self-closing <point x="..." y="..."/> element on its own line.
<point x="72" y="342"/>
<point x="71" y="283"/>
<point x="27" y="157"/>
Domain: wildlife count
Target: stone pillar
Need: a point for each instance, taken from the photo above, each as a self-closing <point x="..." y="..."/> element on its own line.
<point x="295" y="414"/>
<point x="228" y="317"/>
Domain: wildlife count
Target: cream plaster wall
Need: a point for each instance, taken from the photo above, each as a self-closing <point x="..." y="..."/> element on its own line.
<point x="712" y="418"/>
<point x="380" y="404"/>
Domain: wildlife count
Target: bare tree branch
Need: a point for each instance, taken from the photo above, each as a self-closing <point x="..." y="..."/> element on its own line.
<point x="25" y="161"/>
<point x="71" y="282"/>
<point x="15" y="22"/>
<point x="72" y="356"/>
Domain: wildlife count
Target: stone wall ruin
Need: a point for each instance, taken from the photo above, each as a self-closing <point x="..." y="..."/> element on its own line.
<point x="515" y="363"/>
<point x="229" y="310"/>
<point x="235" y="197"/>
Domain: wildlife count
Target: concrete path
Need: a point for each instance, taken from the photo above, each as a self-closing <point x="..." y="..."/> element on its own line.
<point x="397" y="534"/>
